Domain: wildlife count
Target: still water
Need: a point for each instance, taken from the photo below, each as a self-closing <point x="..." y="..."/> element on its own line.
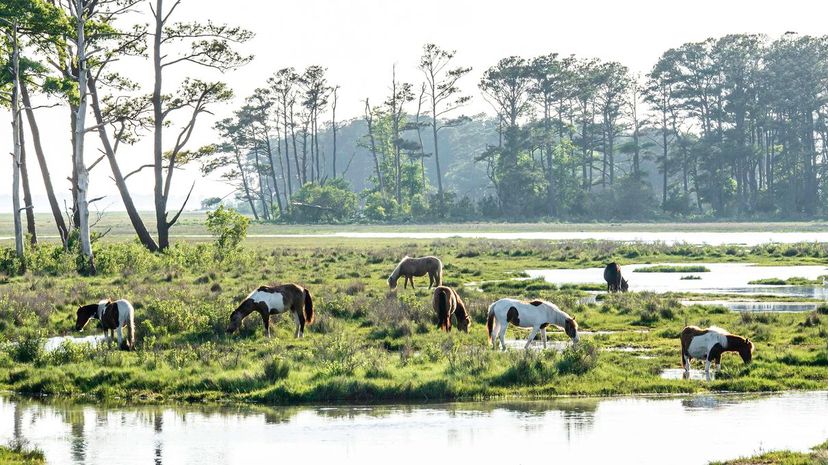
<point x="723" y="278"/>
<point x="634" y="430"/>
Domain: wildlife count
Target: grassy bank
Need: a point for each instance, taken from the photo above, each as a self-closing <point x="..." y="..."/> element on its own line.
<point x="817" y="456"/>
<point x="17" y="454"/>
<point x="370" y="344"/>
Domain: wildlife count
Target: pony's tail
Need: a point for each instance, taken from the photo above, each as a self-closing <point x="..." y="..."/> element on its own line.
<point x="308" y="307"/>
<point x="490" y="323"/>
<point x="442" y="311"/>
<point x="131" y="329"/>
<point x="439" y="273"/>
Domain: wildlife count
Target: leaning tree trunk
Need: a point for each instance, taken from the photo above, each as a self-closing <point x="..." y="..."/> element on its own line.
<point x="134" y="217"/>
<point x="63" y="232"/>
<point x="27" y="192"/>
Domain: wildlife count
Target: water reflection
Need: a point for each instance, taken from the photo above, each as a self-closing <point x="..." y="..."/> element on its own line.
<point x="587" y="430"/>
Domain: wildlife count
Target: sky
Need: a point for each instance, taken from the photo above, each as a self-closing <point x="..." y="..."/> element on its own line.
<point x="359" y="41"/>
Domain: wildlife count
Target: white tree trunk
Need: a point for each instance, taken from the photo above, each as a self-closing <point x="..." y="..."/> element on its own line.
<point x="80" y="130"/>
<point x="18" y="224"/>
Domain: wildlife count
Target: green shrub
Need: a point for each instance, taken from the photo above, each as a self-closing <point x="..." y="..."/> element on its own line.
<point x="229" y="228"/>
<point x="578" y="359"/>
<point x="276" y="369"/>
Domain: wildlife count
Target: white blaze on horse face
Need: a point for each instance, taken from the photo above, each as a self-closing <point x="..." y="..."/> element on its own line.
<point x="275" y="301"/>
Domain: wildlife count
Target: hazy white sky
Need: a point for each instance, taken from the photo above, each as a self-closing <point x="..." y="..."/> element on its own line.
<point x="359" y="41"/>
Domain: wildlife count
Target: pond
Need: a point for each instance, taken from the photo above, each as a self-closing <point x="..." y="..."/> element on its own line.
<point x="723" y="278"/>
<point x="634" y="430"/>
<point x="755" y="306"/>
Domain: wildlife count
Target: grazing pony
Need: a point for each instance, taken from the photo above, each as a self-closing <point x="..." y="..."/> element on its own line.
<point x="615" y="282"/>
<point x="709" y="344"/>
<point x="273" y="301"/>
<point x="410" y="267"/>
<point x="113" y="316"/>
<point x="446" y="302"/>
<point x="537" y="315"/>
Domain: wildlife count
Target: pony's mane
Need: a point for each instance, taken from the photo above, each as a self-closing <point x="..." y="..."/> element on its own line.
<point x="719" y="330"/>
<point x="396" y="272"/>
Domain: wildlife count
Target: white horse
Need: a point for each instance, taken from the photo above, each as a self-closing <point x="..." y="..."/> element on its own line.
<point x="537" y="315"/>
<point x="113" y="316"/>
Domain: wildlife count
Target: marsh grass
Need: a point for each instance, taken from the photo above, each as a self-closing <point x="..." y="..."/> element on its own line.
<point x="369" y="344"/>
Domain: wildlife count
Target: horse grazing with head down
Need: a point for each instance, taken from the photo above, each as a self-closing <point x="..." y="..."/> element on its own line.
<point x="113" y="316"/>
<point x="447" y="302"/>
<point x="709" y="344"/>
<point x="615" y="282"/>
<point x="410" y="267"/>
<point x="537" y="314"/>
<point x="275" y="300"/>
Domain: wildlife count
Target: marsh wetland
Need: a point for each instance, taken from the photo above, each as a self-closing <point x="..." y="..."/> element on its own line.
<point x="374" y="347"/>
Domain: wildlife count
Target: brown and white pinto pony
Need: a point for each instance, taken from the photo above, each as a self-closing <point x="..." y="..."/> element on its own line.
<point x="410" y="267"/>
<point x="709" y="344"/>
<point x="537" y="314"/>
<point x="275" y="300"/>
<point x="113" y="316"/>
<point x="447" y="302"/>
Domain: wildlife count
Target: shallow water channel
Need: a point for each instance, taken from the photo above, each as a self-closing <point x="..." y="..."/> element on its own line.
<point x="634" y="430"/>
<point x="723" y="278"/>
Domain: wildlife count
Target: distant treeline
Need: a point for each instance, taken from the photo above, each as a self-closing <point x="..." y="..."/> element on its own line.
<point x="728" y="127"/>
<point x="731" y="127"/>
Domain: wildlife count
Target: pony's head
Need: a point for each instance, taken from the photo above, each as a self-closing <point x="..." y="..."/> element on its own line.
<point x="463" y="323"/>
<point x="395" y="275"/>
<point x="625" y="286"/>
<point x="571" y="329"/>
<point x="84" y="314"/>
<point x="392" y="281"/>
<point x="238" y="315"/>
<point x="746" y="351"/>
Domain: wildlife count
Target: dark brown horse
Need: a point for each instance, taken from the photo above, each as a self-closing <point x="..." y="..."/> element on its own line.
<point x="274" y="300"/>
<point x="410" y="267"/>
<point x="615" y="282"/>
<point x="447" y="302"/>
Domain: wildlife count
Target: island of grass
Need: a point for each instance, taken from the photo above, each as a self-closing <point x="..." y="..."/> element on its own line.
<point x="673" y="269"/>
<point x="17" y="454"/>
<point x="794" y="281"/>
<point x="690" y="277"/>
<point x="817" y="456"/>
<point x="371" y="344"/>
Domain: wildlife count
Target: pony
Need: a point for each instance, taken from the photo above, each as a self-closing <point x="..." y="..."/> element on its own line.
<point x="709" y="344"/>
<point x="615" y="282"/>
<point x="446" y="302"/>
<point x="113" y="316"/>
<point x="410" y="267"/>
<point x="275" y="300"/>
<point x="537" y="314"/>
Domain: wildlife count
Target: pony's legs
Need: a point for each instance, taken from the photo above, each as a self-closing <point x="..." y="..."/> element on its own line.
<point x="299" y="326"/>
<point x="494" y="334"/>
<point x="120" y="337"/>
<point x="707" y="369"/>
<point x="266" y="323"/>
<point x="532" y="337"/>
<point x="543" y="336"/>
<point x="502" y="336"/>
<point x="686" y="364"/>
